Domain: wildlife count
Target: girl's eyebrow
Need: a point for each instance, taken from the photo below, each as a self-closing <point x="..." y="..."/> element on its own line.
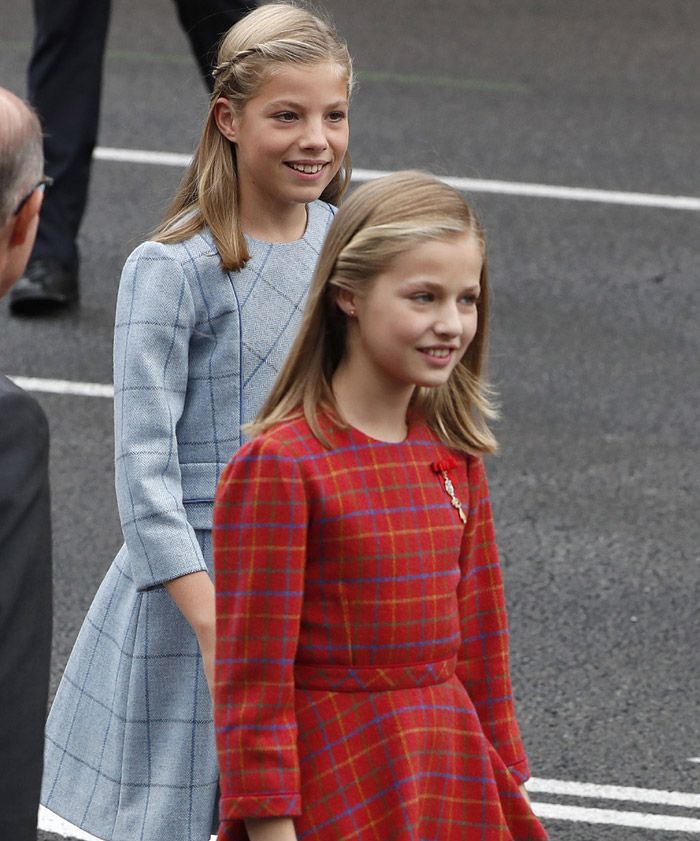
<point x="426" y="282"/>
<point x="289" y="103"/>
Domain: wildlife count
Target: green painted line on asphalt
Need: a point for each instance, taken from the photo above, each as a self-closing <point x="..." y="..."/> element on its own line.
<point x="16" y="46"/>
<point x="455" y="82"/>
<point x="441" y="81"/>
<point x="151" y="57"/>
<point x="148" y="57"/>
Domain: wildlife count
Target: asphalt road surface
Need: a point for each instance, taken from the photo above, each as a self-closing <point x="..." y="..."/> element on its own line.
<point x="595" y="347"/>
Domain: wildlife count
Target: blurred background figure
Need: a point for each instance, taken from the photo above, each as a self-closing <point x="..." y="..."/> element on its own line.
<point x="65" y="83"/>
<point x="25" y="525"/>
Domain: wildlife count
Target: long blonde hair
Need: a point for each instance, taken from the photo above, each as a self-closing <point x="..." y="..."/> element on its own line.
<point x="252" y="50"/>
<point x="381" y="220"/>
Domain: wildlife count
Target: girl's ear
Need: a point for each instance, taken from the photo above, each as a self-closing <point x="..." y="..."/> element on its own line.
<point x="225" y="119"/>
<point x="347" y="302"/>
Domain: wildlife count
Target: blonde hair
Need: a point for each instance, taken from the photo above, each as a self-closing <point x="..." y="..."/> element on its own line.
<point x="380" y="221"/>
<point x="250" y="53"/>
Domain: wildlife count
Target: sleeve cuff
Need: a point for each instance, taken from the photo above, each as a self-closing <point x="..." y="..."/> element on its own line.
<point x="260" y="806"/>
<point x="159" y="553"/>
<point x="520" y="770"/>
<point x="171" y="575"/>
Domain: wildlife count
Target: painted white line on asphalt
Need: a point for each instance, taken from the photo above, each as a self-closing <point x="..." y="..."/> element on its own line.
<point x="694" y="759"/>
<point x="64" y="387"/>
<point x="469" y="185"/>
<point x="552" y="191"/>
<point x="50" y="822"/>
<point x="141" y="156"/>
<point x="568" y="788"/>
<point x="614" y="817"/>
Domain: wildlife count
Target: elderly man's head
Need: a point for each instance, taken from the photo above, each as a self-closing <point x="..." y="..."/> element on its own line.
<point x="21" y="169"/>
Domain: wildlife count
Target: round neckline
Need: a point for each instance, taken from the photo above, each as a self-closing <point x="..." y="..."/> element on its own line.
<point x="287" y="243"/>
<point x="411" y="426"/>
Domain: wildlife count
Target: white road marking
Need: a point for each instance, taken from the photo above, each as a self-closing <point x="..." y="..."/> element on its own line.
<point x="470" y="185"/>
<point x="64" y="387"/>
<point x="50" y="822"/>
<point x="141" y="156"/>
<point x="535" y="785"/>
<point x="694" y="759"/>
<point x="615" y="817"/>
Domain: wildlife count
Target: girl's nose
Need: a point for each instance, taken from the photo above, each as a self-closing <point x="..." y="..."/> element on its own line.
<point x="449" y="322"/>
<point x="314" y="135"/>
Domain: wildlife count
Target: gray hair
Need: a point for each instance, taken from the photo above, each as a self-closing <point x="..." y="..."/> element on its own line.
<point x="21" y="151"/>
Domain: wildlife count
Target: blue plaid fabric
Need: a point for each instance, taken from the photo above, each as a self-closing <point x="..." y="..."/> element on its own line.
<point x="130" y="743"/>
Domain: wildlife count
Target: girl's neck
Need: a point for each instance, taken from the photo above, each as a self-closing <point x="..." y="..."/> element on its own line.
<point x="285" y="224"/>
<point x="379" y="412"/>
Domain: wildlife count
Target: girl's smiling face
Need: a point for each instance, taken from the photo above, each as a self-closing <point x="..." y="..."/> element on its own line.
<point x="418" y="317"/>
<point x="291" y="137"/>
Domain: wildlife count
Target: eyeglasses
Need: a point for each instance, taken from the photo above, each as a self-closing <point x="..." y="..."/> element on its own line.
<point x="44" y="182"/>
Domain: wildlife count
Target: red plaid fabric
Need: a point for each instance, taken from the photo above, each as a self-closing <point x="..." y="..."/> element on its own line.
<point x="362" y="680"/>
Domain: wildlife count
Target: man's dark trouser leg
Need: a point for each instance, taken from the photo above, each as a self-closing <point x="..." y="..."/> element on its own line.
<point x="204" y="22"/>
<point x="65" y="82"/>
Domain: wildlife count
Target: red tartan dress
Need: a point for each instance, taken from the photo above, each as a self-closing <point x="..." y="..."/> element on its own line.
<point x="362" y="680"/>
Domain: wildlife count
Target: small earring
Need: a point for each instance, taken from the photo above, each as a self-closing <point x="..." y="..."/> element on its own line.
<point x="352" y="313"/>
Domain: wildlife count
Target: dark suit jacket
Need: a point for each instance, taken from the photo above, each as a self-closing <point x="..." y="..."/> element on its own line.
<point x="25" y="607"/>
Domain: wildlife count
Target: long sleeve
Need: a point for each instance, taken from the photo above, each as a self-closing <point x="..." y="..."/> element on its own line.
<point x="483" y="663"/>
<point x="260" y="528"/>
<point x="154" y="322"/>
<point x="25" y="606"/>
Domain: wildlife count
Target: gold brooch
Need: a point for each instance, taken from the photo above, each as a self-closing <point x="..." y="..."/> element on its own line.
<point x="441" y="468"/>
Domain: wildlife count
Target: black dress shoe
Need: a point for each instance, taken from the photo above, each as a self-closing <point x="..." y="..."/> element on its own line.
<point x="44" y="287"/>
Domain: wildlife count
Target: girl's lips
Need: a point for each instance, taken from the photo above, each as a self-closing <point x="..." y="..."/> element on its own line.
<point x="439" y="356"/>
<point x="307" y="168"/>
<point x="438" y="350"/>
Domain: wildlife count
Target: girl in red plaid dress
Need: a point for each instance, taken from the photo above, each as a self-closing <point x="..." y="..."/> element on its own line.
<point x="362" y="679"/>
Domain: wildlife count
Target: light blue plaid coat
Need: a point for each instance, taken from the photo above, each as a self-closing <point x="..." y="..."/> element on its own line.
<point x="130" y="746"/>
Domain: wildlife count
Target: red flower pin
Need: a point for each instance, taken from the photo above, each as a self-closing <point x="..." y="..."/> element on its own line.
<point x="441" y="468"/>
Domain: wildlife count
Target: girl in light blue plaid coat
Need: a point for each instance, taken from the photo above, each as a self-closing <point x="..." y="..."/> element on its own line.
<point x="205" y="316"/>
